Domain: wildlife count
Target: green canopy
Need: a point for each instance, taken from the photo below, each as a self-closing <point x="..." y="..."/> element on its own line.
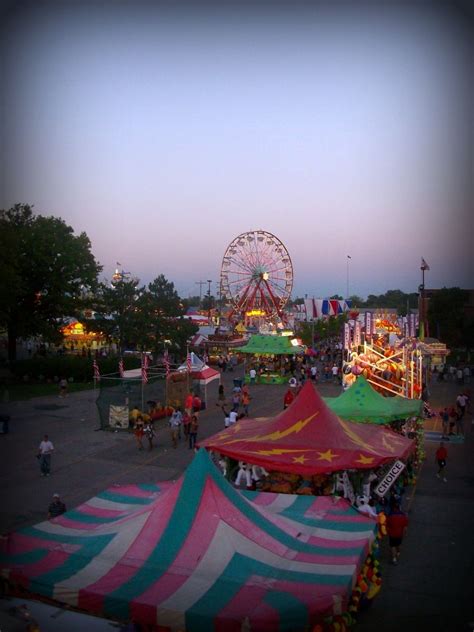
<point x="362" y="403"/>
<point x="270" y="345"/>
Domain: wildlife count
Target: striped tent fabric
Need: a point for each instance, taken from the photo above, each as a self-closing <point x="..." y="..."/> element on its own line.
<point x="196" y="555"/>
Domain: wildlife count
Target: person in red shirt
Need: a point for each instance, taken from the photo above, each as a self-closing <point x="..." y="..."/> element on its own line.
<point x="289" y="397"/>
<point x="441" y="457"/>
<point x="397" y="524"/>
<point x="188" y="403"/>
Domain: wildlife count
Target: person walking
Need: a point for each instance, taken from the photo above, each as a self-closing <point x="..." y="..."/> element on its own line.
<point x="45" y="450"/>
<point x="56" y="507"/>
<point x="186" y="423"/>
<point x="236" y="398"/>
<point x="149" y="434"/>
<point x="175" y="426"/>
<point x="188" y="403"/>
<point x="441" y="458"/>
<point x="193" y="430"/>
<point x="397" y="524"/>
<point x="288" y="398"/>
<point x="444" y="414"/>
<point x="63" y="387"/>
<point x="245" y="401"/>
<point x="138" y="431"/>
<point x="461" y="402"/>
<point x="220" y="396"/>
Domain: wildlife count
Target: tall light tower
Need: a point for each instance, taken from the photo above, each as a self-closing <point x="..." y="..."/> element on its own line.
<point x="347" y="275"/>
<point x="209" y="298"/>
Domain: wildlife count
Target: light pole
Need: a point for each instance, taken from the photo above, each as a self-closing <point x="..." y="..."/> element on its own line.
<point x="347" y="276"/>
<point x="209" y="299"/>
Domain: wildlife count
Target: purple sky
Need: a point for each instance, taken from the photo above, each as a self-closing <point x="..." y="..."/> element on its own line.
<point x="165" y="132"/>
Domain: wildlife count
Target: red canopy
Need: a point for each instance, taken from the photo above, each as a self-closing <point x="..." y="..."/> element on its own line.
<point x="308" y="438"/>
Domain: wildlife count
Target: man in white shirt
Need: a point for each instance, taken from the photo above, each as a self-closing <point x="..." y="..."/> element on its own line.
<point x="233" y="417"/>
<point x="175" y="422"/>
<point x="45" y="451"/>
<point x="252" y="375"/>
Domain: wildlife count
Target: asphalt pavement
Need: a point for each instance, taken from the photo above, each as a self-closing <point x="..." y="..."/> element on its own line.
<point x="432" y="587"/>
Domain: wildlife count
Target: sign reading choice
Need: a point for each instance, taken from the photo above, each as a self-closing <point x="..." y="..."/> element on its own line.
<point x="389" y="478"/>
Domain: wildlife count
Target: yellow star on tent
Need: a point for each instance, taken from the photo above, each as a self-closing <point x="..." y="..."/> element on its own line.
<point x="299" y="459"/>
<point x="327" y="456"/>
<point x="365" y="460"/>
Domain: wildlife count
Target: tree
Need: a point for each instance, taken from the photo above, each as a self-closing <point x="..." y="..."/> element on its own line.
<point x="162" y="311"/>
<point x="322" y="330"/>
<point x="395" y="299"/>
<point x="118" y="312"/>
<point x="46" y="274"/>
<point x="446" y="317"/>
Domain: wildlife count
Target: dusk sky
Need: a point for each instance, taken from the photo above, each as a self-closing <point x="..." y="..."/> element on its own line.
<point x="165" y="130"/>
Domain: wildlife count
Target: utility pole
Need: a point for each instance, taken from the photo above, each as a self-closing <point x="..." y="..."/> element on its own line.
<point x="200" y="283"/>
<point x="209" y="299"/>
<point x="347" y="276"/>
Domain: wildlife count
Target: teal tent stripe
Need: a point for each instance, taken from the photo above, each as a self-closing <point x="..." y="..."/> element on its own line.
<point x="332" y="525"/>
<point x="293" y="612"/>
<point x="78" y="516"/>
<point x="31" y="557"/>
<point x="44" y="584"/>
<point x="235" y="576"/>
<point x="149" y="487"/>
<point x="123" y="498"/>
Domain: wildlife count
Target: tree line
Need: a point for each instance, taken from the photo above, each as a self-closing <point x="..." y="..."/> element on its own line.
<point x="48" y="274"/>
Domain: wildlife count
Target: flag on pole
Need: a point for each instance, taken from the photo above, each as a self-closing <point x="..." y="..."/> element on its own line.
<point x="145" y="369"/>
<point x="96" y="370"/>
<point x="166" y="362"/>
<point x="188" y="360"/>
<point x="121" y="370"/>
<point x="424" y="265"/>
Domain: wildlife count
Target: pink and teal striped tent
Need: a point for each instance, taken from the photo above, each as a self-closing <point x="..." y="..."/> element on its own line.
<point x="197" y="555"/>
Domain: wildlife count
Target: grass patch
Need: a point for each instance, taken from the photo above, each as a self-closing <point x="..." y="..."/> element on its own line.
<point x="21" y="392"/>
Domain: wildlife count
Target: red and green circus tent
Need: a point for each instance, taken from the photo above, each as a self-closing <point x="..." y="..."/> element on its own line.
<point x="361" y="403"/>
<point x="196" y="555"/>
<point x="308" y="438"/>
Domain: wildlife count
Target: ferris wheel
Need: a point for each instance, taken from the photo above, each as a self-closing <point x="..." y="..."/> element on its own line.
<point x="256" y="274"/>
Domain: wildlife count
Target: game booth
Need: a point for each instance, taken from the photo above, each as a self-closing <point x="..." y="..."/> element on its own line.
<point x="266" y="354"/>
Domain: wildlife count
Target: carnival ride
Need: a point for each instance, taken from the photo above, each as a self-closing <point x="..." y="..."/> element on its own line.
<point x="256" y="277"/>
<point x="393" y="367"/>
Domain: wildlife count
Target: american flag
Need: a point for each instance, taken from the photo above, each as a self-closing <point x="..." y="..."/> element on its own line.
<point x="121" y="367"/>
<point x="166" y="362"/>
<point x="188" y="360"/>
<point x="145" y="369"/>
<point x="96" y="370"/>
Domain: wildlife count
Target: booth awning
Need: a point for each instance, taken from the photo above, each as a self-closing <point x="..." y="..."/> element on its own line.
<point x="270" y="345"/>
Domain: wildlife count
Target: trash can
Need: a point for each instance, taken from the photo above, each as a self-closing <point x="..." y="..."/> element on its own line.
<point x="237" y="383"/>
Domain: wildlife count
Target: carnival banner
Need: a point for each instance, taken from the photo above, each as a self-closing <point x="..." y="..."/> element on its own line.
<point x="368" y="324"/>
<point x="347" y="336"/>
<point x="357" y="338"/>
